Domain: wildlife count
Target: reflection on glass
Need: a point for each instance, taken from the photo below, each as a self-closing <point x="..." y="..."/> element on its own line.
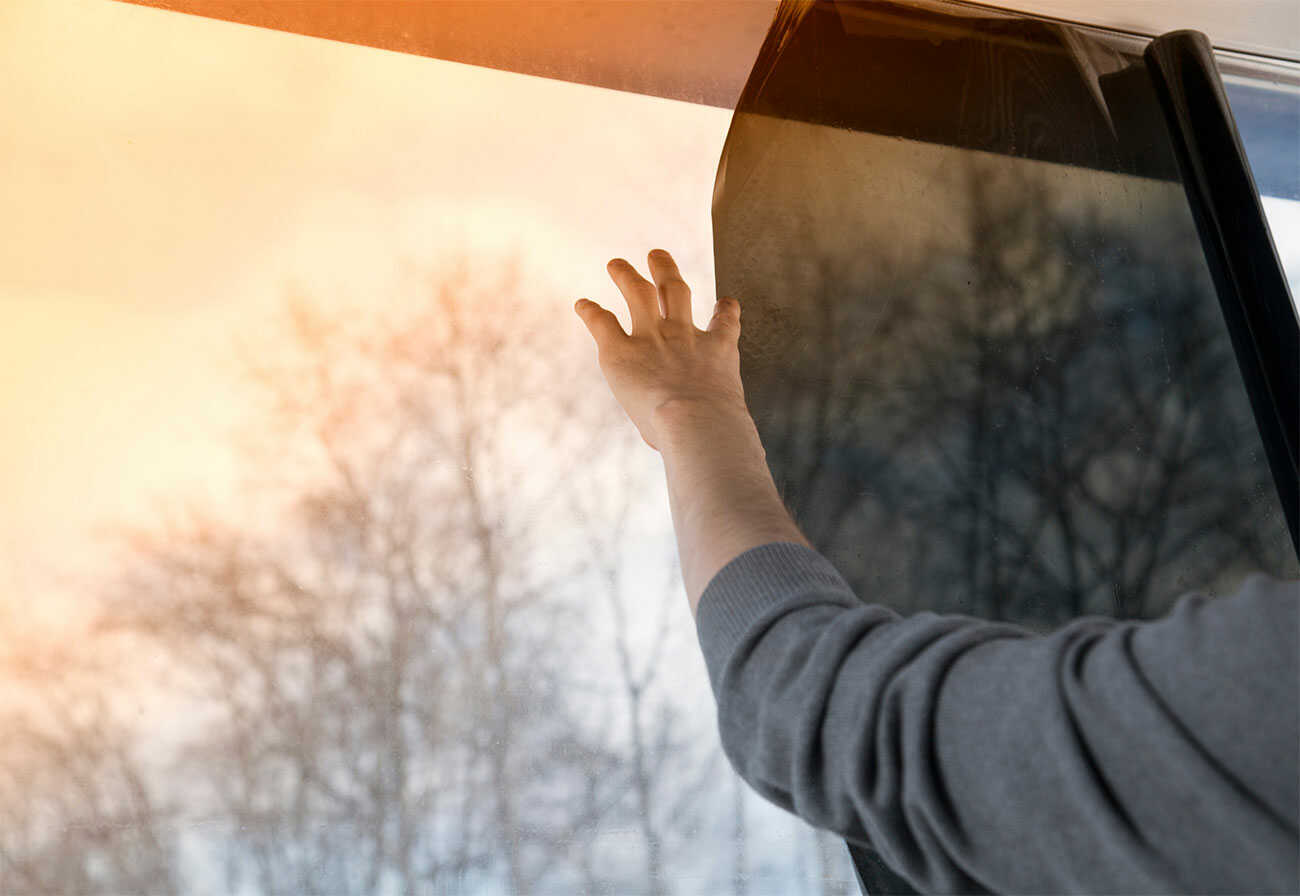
<point x="992" y="377"/>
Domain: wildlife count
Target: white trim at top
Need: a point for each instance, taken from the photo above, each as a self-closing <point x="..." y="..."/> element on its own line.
<point x="1268" y="28"/>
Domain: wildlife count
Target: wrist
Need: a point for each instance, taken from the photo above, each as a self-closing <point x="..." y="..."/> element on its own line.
<point x="694" y="425"/>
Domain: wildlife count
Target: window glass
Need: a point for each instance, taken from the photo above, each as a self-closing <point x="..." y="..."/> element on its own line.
<point x="981" y="342"/>
<point x="328" y="562"/>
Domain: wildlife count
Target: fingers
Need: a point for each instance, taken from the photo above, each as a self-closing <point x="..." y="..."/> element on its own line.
<point x="601" y="323"/>
<point x="674" y="294"/>
<point x="642" y="298"/>
<point x="726" y="318"/>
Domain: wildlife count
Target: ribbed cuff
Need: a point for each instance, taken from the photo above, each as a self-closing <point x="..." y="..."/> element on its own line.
<point x="754" y="583"/>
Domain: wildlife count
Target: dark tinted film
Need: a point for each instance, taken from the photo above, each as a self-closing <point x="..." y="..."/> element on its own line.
<point x="981" y="342"/>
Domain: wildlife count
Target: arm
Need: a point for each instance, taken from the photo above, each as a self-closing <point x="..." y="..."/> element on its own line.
<point x="681" y="387"/>
<point x="1108" y="756"/>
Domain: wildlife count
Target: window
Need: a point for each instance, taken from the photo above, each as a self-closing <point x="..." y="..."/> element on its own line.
<point x="331" y="565"/>
<point x="982" y="343"/>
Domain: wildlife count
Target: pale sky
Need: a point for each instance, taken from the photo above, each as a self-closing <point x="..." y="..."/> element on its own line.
<point x="166" y="176"/>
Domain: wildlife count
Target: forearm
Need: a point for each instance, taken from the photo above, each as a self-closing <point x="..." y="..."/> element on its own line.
<point x="721" y="494"/>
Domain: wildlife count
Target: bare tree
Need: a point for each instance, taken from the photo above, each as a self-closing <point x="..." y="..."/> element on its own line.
<point x="1039" y="418"/>
<point x="79" y="811"/>
<point x="669" y="765"/>
<point x="739" y="839"/>
<point x="831" y="864"/>
<point x="388" y="667"/>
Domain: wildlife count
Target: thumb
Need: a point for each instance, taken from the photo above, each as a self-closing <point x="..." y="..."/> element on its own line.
<point x="601" y="323"/>
<point x="726" y="317"/>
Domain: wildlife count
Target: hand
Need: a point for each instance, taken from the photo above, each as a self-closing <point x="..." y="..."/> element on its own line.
<point x="667" y="365"/>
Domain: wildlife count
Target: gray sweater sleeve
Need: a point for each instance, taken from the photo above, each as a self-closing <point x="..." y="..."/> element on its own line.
<point x="1108" y="756"/>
